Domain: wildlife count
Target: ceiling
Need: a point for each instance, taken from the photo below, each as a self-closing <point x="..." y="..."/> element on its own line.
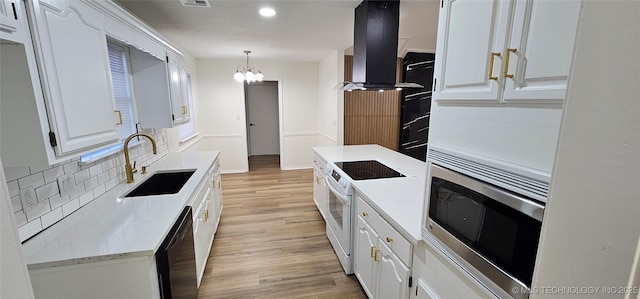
<point x="301" y="30"/>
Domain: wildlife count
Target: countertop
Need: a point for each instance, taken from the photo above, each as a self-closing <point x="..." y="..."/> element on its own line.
<point x="398" y="200"/>
<point x="112" y="226"/>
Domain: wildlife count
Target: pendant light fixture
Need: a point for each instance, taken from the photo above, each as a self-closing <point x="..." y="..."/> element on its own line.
<point x="248" y="73"/>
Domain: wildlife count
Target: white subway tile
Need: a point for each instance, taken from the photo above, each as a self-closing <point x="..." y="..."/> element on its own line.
<point x="113" y="173"/>
<point x="21" y="218"/>
<point x="110" y="184"/>
<point x="40" y="168"/>
<point x="90" y="184"/>
<point x="51" y="217"/>
<point x="57" y="200"/>
<point x="103" y="178"/>
<point x="16" y="203"/>
<point x="14" y="189"/>
<point x="28" y="230"/>
<point x="71" y="167"/>
<point x="34" y="180"/>
<point x="108" y="164"/>
<point x="82" y="176"/>
<point x="86" y="198"/>
<point x="14" y="173"/>
<point x="70" y="207"/>
<point x="99" y="190"/>
<point x="47" y="191"/>
<point x="95" y="170"/>
<point x="38" y="210"/>
<point x="52" y="174"/>
<point x="76" y="191"/>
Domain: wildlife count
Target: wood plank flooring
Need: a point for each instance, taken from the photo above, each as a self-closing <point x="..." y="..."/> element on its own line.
<point x="271" y="242"/>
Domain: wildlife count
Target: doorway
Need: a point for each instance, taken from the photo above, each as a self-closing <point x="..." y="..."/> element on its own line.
<point x="262" y="115"/>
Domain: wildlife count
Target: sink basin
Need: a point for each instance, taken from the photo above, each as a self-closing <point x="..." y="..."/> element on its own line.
<point x="162" y="183"/>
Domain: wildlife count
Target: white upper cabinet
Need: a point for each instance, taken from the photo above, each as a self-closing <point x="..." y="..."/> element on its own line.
<point x="540" y="50"/>
<point x="178" y="87"/>
<point x="505" y="50"/>
<point x="10" y="18"/>
<point x="471" y="35"/>
<point x="72" y="51"/>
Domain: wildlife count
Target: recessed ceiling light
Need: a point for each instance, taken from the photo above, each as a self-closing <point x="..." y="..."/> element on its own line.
<point x="267" y="12"/>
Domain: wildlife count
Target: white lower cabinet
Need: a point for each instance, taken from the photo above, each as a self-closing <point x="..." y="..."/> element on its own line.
<point x="206" y="217"/>
<point x="380" y="256"/>
<point x="320" y="189"/>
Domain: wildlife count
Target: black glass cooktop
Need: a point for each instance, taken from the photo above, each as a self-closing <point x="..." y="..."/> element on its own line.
<point x="367" y="170"/>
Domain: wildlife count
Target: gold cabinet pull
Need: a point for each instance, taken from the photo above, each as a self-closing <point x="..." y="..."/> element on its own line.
<point x="206" y="215"/>
<point x="506" y="63"/>
<point x="376" y="256"/>
<point x="365" y="214"/>
<point x="491" y="61"/>
<point x="119" y="113"/>
<point x="389" y="239"/>
<point x="373" y="251"/>
<point x="185" y="110"/>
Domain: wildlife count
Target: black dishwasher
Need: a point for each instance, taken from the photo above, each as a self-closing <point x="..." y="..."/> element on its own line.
<point x="176" y="260"/>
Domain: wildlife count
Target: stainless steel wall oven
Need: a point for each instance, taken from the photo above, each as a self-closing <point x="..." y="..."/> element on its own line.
<point x="491" y="232"/>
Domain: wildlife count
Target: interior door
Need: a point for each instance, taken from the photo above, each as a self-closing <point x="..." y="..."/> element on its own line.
<point x="262" y="118"/>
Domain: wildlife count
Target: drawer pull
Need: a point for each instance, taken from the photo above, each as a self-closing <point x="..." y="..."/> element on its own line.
<point x="376" y="256"/>
<point x="389" y="239"/>
<point x="365" y="214"/>
<point x="373" y="250"/>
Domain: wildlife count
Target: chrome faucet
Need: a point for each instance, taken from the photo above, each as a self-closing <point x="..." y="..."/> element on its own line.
<point x="127" y="166"/>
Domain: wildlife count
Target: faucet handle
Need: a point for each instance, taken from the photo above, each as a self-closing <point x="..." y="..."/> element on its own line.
<point x="133" y="169"/>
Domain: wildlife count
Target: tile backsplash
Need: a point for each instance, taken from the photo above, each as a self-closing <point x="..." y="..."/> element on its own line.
<point x="88" y="181"/>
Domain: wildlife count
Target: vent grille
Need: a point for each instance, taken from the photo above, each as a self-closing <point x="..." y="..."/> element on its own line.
<point x="521" y="184"/>
<point x="196" y="3"/>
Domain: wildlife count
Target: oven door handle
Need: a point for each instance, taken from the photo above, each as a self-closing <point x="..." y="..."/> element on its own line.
<point x="345" y="200"/>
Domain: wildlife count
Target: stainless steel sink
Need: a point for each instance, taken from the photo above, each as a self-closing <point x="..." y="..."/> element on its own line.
<point x="169" y="182"/>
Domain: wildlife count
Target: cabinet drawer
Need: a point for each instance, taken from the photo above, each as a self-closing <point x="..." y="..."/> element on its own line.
<point x="319" y="162"/>
<point x="389" y="235"/>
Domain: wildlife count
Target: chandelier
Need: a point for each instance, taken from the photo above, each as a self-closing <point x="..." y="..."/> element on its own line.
<point x="248" y="73"/>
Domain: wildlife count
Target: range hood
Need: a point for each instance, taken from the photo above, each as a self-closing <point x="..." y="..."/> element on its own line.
<point x="375" y="47"/>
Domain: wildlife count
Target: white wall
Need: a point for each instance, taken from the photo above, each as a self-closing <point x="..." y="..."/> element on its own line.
<point x="418" y="31"/>
<point x="591" y="223"/>
<point x="221" y="114"/>
<point x="330" y="117"/>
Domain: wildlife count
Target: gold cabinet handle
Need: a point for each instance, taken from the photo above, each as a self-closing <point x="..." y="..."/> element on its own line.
<point x="506" y="63"/>
<point x="119" y="113"/>
<point x="185" y="110"/>
<point x="206" y="215"/>
<point x="491" y="61"/>
<point x="365" y="214"/>
<point x="376" y="256"/>
<point x="389" y="239"/>
<point x="373" y="251"/>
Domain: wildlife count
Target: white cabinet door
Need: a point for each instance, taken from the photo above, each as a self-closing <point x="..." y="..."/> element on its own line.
<point x="393" y="275"/>
<point x="178" y="88"/>
<point x="200" y="239"/>
<point x="76" y="76"/>
<point x="540" y="50"/>
<point x="9" y="14"/>
<point x="365" y="251"/>
<point x="469" y="32"/>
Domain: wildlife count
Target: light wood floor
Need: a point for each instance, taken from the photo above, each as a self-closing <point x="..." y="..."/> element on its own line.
<point x="271" y="242"/>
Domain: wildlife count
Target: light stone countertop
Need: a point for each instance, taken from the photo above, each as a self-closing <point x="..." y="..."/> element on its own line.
<point x="112" y="226"/>
<point x="399" y="201"/>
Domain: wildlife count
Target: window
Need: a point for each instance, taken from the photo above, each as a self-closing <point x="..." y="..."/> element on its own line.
<point x="120" y="77"/>
<point x="187" y="130"/>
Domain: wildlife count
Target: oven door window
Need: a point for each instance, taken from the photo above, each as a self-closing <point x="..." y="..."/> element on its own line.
<point x="506" y="237"/>
<point x="336" y="208"/>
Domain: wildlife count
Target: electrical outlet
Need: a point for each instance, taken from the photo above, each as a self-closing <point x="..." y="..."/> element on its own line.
<point x="65" y="184"/>
<point x="28" y="197"/>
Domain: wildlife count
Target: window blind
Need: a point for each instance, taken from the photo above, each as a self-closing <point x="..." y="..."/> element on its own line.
<point x="188" y="130"/>
<point x="121" y="88"/>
